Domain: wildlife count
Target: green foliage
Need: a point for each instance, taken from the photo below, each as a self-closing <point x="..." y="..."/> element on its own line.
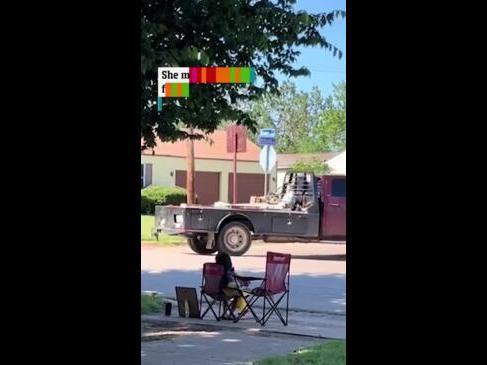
<point x="329" y="353"/>
<point x="150" y="303"/>
<point x="305" y="122"/>
<point x="261" y="34"/>
<point x="316" y="166"/>
<point x="294" y="114"/>
<point x="160" y="195"/>
<point x="146" y="225"/>
<point x="331" y="131"/>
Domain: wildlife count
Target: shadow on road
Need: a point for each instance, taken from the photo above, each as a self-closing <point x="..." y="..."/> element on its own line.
<point x="312" y="257"/>
<point x="299" y="257"/>
<point x="321" y="293"/>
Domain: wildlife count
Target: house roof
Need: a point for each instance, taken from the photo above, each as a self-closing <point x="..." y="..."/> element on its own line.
<point x="286" y="160"/>
<point x="202" y="149"/>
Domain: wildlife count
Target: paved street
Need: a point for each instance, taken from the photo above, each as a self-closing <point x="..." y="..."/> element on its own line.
<point x="317" y="271"/>
<point x="317" y="303"/>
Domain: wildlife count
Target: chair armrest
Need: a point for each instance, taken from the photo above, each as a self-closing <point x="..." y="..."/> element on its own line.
<point x="244" y="281"/>
<point x="248" y="278"/>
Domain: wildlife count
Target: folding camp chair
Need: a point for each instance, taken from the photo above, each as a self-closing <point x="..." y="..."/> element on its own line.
<point x="275" y="283"/>
<point x="212" y="293"/>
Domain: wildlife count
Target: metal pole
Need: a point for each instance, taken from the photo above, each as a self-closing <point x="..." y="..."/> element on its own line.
<point x="190" y="170"/>
<point x="266" y="168"/>
<point x="235" y="170"/>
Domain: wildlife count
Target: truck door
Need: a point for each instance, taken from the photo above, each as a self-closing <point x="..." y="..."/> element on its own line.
<point x="334" y="206"/>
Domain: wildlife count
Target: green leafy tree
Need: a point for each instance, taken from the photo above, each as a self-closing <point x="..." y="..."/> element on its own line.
<point x="261" y="34"/>
<point x="305" y="122"/>
<point x="330" y="132"/>
<point x="316" y="166"/>
<point x="294" y="114"/>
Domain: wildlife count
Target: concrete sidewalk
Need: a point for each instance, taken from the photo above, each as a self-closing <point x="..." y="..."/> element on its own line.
<point x="212" y="345"/>
<point x="302" y="324"/>
<point x="182" y="341"/>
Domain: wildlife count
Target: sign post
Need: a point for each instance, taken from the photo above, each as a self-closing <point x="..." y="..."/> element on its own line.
<point x="236" y="142"/>
<point x="235" y="135"/>
<point x="267" y="139"/>
<point x="266" y="169"/>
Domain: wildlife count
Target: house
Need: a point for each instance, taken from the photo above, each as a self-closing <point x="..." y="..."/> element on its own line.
<point x="165" y="165"/>
<point x="338" y="164"/>
<point x="286" y="160"/>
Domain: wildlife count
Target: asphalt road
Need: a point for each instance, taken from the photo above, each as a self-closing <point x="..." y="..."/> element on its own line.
<point x="317" y="271"/>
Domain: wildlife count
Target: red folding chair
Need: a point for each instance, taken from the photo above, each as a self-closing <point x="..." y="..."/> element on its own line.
<point x="275" y="283"/>
<point x="211" y="291"/>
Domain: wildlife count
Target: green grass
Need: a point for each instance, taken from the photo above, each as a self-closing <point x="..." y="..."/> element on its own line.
<point x="146" y="224"/>
<point x="150" y="304"/>
<point x="329" y="353"/>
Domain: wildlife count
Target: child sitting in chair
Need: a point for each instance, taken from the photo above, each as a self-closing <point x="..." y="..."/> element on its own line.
<point x="229" y="284"/>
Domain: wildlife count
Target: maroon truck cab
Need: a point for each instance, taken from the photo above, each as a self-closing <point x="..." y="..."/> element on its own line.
<point x="333" y="206"/>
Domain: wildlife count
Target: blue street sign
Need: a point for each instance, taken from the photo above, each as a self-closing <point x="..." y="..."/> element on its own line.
<point x="267" y="137"/>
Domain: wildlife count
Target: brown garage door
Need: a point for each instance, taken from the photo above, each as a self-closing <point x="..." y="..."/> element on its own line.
<point x="247" y="186"/>
<point x="206" y="185"/>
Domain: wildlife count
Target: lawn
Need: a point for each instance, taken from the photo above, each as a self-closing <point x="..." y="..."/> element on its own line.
<point x="150" y="304"/>
<point x="329" y="353"/>
<point x="146" y="224"/>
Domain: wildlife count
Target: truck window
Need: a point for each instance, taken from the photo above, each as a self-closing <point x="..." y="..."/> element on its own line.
<point x="339" y="188"/>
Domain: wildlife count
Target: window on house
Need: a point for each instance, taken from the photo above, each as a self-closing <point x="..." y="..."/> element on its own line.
<point x="339" y="188"/>
<point x="142" y="177"/>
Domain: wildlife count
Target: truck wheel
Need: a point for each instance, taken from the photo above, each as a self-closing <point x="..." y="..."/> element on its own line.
<point x="234" y="239"/>
<point x="198" y="245"/>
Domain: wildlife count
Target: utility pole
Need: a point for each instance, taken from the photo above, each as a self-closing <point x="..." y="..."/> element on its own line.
<point x="190" y="169"/>
<point x="235" y="136"/>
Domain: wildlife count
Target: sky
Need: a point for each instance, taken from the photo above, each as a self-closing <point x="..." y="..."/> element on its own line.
<point x="325" y="68"/>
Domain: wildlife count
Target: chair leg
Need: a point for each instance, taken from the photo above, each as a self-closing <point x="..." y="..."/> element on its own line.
<point x="230" y="311"/>
<point x="274" y="309"/>
<point x="201" y="303"/>
<point x="248" y="306"/>
<point x="263" y="313"/>
<point x="287" y="305"/>
<point x="210" y="307"/>
<point x="251" y="309"/>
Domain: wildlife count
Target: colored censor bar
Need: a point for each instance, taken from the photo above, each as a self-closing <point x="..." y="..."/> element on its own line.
<point x="176" y="90"/>
<point x="221" y="75"/>
<point x="174" y="82"/>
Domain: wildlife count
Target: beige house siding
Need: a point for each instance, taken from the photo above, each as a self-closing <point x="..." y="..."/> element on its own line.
<point x="162" y="166"/>
<point x="280" y="177"/>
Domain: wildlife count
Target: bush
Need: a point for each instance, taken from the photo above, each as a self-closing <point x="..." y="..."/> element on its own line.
<point x="160" y="195"/>
<point x="150" y="303"/>
<point x="315" y="166"/>
<point x="146" y="204"/>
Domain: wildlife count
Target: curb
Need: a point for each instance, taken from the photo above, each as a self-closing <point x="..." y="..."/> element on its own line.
<point x="291" y="309"/>
<point x="238" y="328"/>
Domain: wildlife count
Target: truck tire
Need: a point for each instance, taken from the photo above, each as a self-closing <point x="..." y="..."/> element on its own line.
<point x="234" y="238"/>
<point x="198" y="245"/>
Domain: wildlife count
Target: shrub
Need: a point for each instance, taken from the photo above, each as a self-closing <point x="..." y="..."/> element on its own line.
<point x="146" y="204"/>
<point x="150" y="303"/>
<point x="315" y="166"/>
<point x="160" y="195"/>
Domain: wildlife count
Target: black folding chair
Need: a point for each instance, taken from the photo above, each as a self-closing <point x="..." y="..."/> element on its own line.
<point x="273" y="289"/>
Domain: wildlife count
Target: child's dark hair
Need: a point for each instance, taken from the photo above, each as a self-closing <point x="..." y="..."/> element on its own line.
<point x="224" y="259"/>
